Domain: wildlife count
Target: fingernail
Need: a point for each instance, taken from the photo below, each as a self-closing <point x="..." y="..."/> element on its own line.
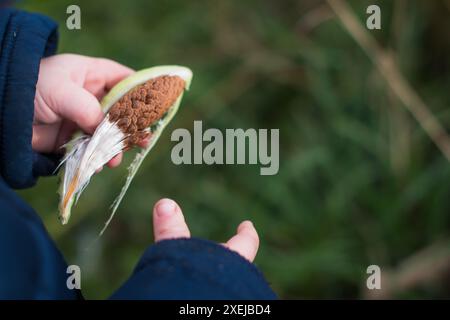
<point x="246" y="223"/>
<point x="165" y="208"/>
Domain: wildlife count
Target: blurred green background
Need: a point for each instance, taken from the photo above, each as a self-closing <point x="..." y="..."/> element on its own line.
<point x="360" y="182"/>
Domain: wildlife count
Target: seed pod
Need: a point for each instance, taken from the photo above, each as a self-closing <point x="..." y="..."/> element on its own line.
<point x="137" y="108"/>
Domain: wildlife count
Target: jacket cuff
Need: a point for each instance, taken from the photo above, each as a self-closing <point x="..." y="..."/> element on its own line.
<point x="186" y="269"/>
<point x="26" y="38"/>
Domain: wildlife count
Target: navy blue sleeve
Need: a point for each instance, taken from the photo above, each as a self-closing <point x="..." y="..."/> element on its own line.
<point x="24" y="38"/>
<point x="31" y="267"/>
<point x="194" y="269"/>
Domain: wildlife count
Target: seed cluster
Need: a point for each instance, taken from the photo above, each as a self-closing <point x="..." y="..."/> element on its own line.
<point x="144" y="105"/>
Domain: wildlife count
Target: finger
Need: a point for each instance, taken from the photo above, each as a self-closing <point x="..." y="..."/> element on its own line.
<point x="114" y="162"/>
<point x="99" y="170"/>
<point x="245" y="242"/>
<point x="80" y="106"/>
<point x="44" y="137"/>
<point x="168" y="221"/>
<point x="103" y="74"/>
<point x="68" y="128"/>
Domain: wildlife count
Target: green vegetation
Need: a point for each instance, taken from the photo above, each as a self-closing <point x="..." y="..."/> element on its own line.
<point x="360" y="182"/>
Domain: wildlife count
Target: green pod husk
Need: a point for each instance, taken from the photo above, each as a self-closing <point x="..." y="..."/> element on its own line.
<point x="88" y="153"/>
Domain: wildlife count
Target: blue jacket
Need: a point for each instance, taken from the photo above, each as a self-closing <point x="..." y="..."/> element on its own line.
<point x="31" y="267"/>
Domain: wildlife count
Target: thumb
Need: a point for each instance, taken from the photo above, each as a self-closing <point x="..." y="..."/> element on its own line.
<point x="78" y="105"/>
<point x="168" y="221"/>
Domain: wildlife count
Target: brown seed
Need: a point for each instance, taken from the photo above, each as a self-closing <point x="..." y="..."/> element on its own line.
<point x="127" y="112"/>
<point x="124" y="122"/>
<point x="131" y="129"/>
<point x="142" y="123"/>
<point x="144" y="105"/>
<point x="114" y="114"/>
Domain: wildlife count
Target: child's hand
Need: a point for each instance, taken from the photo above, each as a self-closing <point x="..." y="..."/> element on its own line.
<point x="168" y="223"/>
<point x="67" y="98"/>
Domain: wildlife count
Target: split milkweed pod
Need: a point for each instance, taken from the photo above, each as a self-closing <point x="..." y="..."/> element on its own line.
<point x="139" y="107"/>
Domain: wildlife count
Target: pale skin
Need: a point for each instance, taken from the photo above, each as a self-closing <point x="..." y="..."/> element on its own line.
<point x="67" y="98"/>
<point x="169" y="223"/>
